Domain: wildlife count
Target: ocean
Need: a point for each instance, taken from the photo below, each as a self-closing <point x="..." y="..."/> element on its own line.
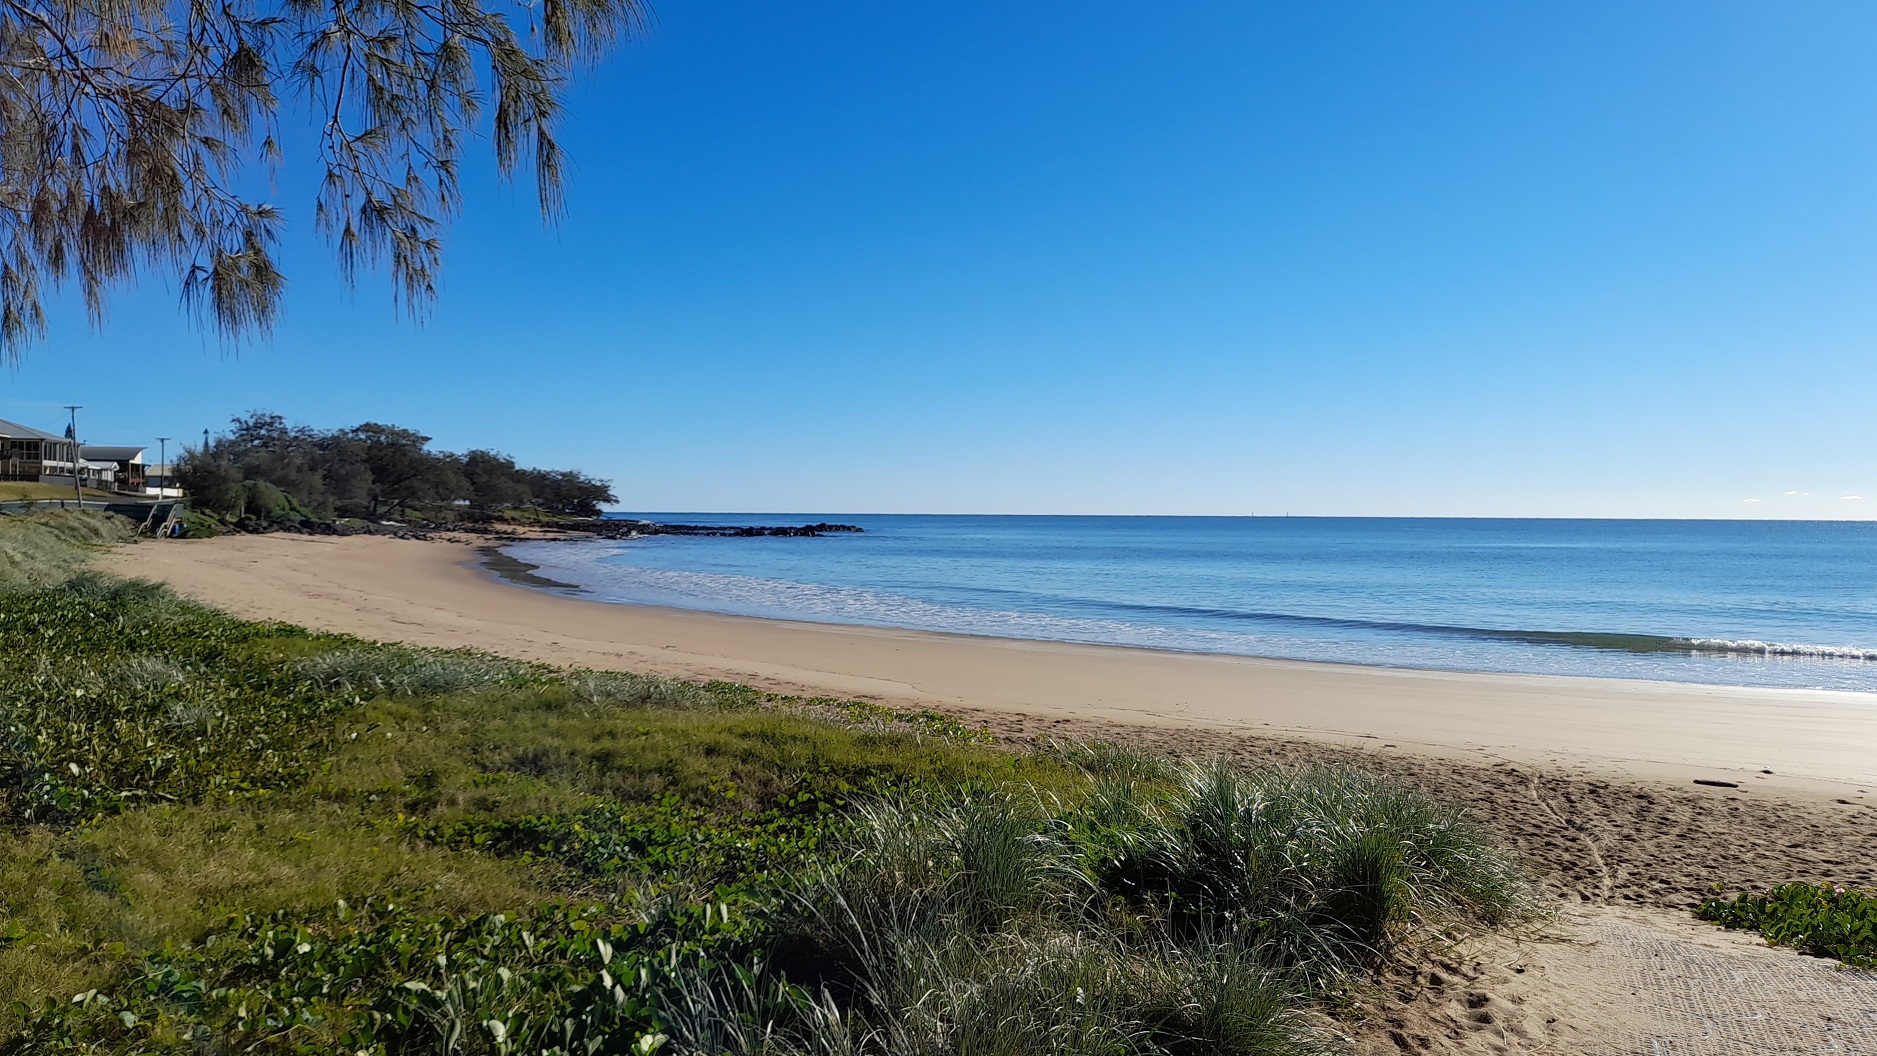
<point x="1748" y="603"/>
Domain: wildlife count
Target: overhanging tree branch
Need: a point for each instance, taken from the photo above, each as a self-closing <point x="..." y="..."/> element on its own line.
<point x="125" y="126"/>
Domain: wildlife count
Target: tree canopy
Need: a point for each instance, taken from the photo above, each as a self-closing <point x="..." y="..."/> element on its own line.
<point x="127" y="127"/>
<point x="263" y="466"/>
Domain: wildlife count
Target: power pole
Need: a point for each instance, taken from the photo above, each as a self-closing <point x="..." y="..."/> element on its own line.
<point x="163" y="457"/>
<point x="78" y="486"/>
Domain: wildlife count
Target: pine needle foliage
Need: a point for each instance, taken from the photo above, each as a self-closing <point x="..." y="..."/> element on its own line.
<point x="127" y="127"/>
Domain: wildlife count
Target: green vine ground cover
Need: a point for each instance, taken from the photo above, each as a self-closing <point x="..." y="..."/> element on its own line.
<point x="230" y="836"/>
<point x="1819" y="920"/>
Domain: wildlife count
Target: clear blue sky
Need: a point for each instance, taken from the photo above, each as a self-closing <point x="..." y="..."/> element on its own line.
<point x="1584" y="259"/>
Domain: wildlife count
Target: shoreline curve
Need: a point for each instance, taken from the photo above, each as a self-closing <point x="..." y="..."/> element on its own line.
<point x="1814" y="742"/>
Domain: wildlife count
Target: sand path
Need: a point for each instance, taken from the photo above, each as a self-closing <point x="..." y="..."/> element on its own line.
<point x="1613" y="982"/>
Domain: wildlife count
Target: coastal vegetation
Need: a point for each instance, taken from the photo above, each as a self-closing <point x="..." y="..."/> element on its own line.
<point x="265" y="470"/>
<point x="225" y="835"/>
<point x="1819" y="919"/>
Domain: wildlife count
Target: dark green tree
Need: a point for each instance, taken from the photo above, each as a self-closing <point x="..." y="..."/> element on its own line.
<point x="290" y="458"/>
<point x="494" y="482"/>
<point x="403" y="470"/>
<point x="370" y="470"/>
<point x="566" y="491"/>
<point x="212" y="484"/>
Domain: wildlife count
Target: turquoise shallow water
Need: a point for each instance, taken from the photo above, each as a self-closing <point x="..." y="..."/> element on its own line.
<point x="1725" y="602"/>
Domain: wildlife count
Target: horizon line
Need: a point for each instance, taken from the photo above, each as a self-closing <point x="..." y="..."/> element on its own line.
<point x="1256" y="516"/>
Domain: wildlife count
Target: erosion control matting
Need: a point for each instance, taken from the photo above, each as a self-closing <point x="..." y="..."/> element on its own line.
<point x="1701" y="999"/>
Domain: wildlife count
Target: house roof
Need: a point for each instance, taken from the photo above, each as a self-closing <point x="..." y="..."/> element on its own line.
<point x="112" y="454"/>
<point x="17" y="431"/>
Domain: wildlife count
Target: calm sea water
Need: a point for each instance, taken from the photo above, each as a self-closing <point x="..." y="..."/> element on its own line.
<point x="1737" y="603"/>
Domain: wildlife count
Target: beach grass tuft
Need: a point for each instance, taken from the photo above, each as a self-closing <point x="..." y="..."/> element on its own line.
<point x="619" y="689"/>
<point x="1109" y="760"/>
<point x="1329" y="867"/>
<point x="400" y="671"/>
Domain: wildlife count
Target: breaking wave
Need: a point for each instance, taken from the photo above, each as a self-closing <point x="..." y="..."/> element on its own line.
<point x="1749" y="647"/>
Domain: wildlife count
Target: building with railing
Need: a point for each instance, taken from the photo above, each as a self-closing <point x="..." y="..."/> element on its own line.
<point x="35" y="455"/>
<point x="126" y="465"/>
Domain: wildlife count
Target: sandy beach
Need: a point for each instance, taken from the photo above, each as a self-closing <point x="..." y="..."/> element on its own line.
<point x="1592" y="780"/>
<point x="438" y="593"/>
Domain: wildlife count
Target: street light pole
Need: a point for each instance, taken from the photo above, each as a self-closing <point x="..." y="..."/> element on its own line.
<point x="78" y="485"/>
<point x="163" y="457"/>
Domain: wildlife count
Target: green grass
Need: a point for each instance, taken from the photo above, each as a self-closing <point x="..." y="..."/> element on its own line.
<point x="234" y="836"/>
<point x="33" y="491"/>
<point x="1820" y="920"/>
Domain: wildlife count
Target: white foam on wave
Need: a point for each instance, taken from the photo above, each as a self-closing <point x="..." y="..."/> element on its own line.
<point x="1753" y="647"/>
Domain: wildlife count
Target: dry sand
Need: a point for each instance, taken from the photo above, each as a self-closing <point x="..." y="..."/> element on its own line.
<point x="1592" y="779"/>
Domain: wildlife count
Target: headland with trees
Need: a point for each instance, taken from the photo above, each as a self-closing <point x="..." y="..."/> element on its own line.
<point x="266" y="473"/>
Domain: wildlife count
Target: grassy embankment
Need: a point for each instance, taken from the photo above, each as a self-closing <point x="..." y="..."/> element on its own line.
<point x="51" y="494"/>
<point x="231" y="836"/>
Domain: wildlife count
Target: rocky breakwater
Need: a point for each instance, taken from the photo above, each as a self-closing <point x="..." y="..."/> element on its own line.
<point x="601" y="528"/>
<point x="630" y="529"/>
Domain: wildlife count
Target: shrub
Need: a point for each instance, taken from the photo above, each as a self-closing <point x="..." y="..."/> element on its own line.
<point x="212" y="484"/>
<point x="1823" y="921"/>
<point x="264" y="501"/>
<point x="202" y="524"/>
